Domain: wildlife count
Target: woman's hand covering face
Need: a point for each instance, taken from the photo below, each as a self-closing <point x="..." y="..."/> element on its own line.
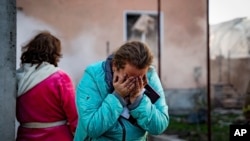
<point x="123" y="84"/>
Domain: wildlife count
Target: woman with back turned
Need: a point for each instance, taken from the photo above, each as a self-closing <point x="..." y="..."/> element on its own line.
<point x="45" y="105"/>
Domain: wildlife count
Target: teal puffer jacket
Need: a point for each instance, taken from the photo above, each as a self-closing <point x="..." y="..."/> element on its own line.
<point x="99" y="110"/>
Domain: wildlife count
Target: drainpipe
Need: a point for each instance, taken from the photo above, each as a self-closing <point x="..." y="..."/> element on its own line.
<point x="107" y="48"/>
<point x="208" y="76"/>
<point x="159" y="38"/>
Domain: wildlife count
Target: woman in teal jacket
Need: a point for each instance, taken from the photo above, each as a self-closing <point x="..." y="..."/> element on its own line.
<point x="121" y="98"/>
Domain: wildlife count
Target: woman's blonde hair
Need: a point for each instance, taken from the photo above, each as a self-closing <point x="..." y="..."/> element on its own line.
<point x="135" y="53"/>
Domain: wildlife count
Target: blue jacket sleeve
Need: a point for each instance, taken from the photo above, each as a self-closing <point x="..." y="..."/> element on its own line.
<point x="153" y="118"/>
<point x="98" y="111"/>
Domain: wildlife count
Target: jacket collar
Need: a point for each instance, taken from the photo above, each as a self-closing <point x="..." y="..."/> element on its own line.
<point x="107" y="66"/>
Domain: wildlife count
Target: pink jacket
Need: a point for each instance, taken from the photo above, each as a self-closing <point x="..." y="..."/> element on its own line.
<point x="51" y="100"/>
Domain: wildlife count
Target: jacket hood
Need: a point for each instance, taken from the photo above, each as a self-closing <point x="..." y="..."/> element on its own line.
<point x="29" y="76"/>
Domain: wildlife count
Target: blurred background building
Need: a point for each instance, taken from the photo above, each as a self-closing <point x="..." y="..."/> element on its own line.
<point x="91" y="29"/>
<point x="87" y="28"/>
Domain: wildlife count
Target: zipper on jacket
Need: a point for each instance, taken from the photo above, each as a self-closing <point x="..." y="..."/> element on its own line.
<point x="123" y="130"/>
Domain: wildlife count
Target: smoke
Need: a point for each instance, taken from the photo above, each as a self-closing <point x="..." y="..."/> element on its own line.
<point x="28" y="27"/>
<point x="182" y="57"/>
<point x="77" y="53"/>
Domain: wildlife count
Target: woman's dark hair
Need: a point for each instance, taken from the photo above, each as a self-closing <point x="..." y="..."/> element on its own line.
<point x="135" y="53"/>
<point x="44" y="47"/>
